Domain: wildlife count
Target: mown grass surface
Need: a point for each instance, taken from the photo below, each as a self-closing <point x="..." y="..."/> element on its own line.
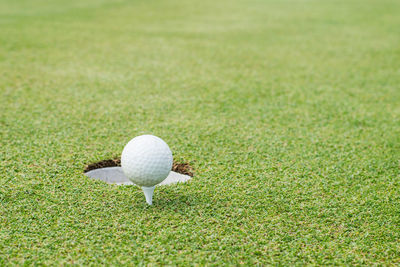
<point x="287" y="110"/>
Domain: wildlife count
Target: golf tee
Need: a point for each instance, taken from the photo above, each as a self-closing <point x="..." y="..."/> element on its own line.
<point x="148" y="193"/>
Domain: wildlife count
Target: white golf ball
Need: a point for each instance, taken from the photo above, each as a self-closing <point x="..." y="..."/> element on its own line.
<point x="146" y="160"/>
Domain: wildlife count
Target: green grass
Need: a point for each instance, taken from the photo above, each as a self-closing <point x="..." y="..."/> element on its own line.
<point x="289" y="112"/>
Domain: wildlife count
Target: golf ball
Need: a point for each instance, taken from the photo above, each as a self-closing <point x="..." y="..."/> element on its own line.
<point x="146" y="160"/>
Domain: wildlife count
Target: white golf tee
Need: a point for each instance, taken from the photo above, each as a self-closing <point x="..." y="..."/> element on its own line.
<point x="148" y="193"/>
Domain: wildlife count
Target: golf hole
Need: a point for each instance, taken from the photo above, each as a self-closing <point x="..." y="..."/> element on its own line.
<point x="110" y="171"/>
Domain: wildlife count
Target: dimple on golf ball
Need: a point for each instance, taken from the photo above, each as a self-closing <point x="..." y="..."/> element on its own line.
<point x="146" y="160"/>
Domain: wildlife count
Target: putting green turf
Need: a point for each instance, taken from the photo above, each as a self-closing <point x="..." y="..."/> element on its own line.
<point x="289" y="112"/>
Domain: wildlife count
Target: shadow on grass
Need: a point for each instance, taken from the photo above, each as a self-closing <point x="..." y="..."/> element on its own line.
<point x="172" y="199"/>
